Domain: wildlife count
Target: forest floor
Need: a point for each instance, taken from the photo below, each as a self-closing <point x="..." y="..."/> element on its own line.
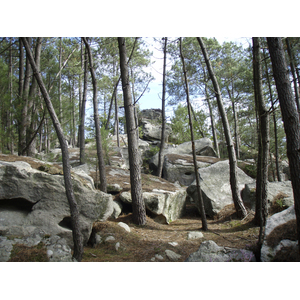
<point x="144" y="242"/>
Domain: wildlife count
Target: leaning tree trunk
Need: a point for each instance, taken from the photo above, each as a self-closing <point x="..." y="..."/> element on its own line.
<point x="199" y="192"/>
<point x="77" y="236"/>
<point x="238" y="203"/>
<point x="103" y="185"/>
<point x="138" y="205"/>
<point x="163" y="114"/>
<point x="290" y="118"/>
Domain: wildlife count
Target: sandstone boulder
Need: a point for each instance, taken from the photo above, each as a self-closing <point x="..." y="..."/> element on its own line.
<point x="280" y="237"/>
<point x="203" y="147"/>
<point x="31" y="199"/>
<point x="180" y="168"/>
<point x="282" y="191"/>
<point x="215" y="187"/>
<point x="150" y="123"/>
<point x="209" y="251"/>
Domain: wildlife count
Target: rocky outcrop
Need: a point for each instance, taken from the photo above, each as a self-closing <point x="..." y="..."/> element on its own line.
<point x="180" y="168"/>
<point x="166" y="206"/>
<point x="57" y="248"/>
<point x="209" y="251"/>
<point x="203" y="147"/>
<point x="31" y="199"/>
<point x="277" y="191"/>
<point x="150" y="123"/>
<point x="280" y="238"/>
<point x="215" y="187"/>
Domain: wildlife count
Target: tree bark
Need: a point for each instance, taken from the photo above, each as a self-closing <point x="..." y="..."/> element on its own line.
<point x="103" y="184"/>
<point x="293" y="73"/>
<point x="138" y="205"/>
<point x="274" y="121"/>
<point x="261" y="211"/>
<point x="238" y="203"/>
<point x="77" y="236"/>
<point x="163" y="114"/>
<point x="82" y="111"/>
<point x="290" y="118"/>
<point x="199" y="192"/>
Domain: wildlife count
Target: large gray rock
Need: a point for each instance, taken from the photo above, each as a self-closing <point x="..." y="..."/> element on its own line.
<point x="215" y="187"/>
<point x="209" y="251"/>
<point x="166" y="205"/>
<point x="180" y="168"/>
<point x="203" y="147"/>
<point x="31" y="199"/>
<point x="280" y="233"/>
<point x="150" y="123"/>
<point x="276" y="190"/>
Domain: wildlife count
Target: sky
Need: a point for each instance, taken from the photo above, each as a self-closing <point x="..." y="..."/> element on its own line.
<point x="152" y="99"/>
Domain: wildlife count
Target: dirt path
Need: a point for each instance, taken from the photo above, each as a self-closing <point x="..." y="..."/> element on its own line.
<point x="144" y="242"/>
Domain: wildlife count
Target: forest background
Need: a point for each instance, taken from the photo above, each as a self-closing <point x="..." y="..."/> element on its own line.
<point x="229" y="18"/>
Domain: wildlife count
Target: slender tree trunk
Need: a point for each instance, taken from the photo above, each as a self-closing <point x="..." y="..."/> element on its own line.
<point x="293" y="73"/>
<point x="82" y="111"/>
<point x="103" y="184"/>
<point x="290" y="118"/>
<point x="236" y="126"/>
<point x="261" y="211"/>
<point x="30" y="143"/>
<point x="274" y="120"/>
<point x="77" y="236"/>
<point x="138" y="205"/>
<point x="212" y="118"/>
<point x="24" y="113"/>
<point x="116" y="86"/>
<point x="10" y="144"/>
<point x="199" y="192"/>
<point x="59" y="82"/>
<point x="238" y="203"/>
<point x="163" y="114"/>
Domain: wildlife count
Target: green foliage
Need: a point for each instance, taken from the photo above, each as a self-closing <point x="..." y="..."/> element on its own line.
<point x="180" y="125"/>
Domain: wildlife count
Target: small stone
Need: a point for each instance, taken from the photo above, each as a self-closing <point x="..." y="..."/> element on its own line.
<point x="117" y="246"/>
<point x="110" y="238"/>
<point x="49" y="253"/>
<point x="159" y="257"/>
<point x="172" y="255"/>
<point x="153" y="259"/>
<point x="194" y="235"/>
<point x="174" y="244"/>
<point x="125" y="226"/>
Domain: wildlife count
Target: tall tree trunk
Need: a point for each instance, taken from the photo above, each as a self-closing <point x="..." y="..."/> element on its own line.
<point x="30" y="143"/>
<point x="138" y="205"/>
<point x="82" y="110"/>
<point x="21" y="87"/>
<point x="103" y="184"/>
<point x="238" y="203"/>
<point x="163" y="114"/>
<point x="290" y="118"/>
<point x="274" y="120"/>
<point x="199" y="192"/>
<point x="212" y="118"/>
<point x="10" y="144"/>
<point x="59" y="82"/>
<point x="22" y="141"/>
<point x="77" y="236"/>
<point x="116" y="86"/>
<point x="261" y="211"/>
<point x="235" y="119"/>
<point x="293" y="73"/>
